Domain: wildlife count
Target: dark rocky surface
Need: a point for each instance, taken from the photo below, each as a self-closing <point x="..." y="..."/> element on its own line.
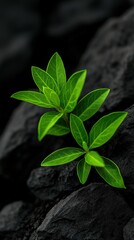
<point x="12" y="217"/>
<point x="109" y="60"/>
<point x="49" y="184"/>
<point x="93" y="212"/>
<point x="73" y="14"/>
<point x="18" y="220"/>
<point x="128" y="232"/>
<point x="75" y="22"/>
<point x="19" y="26"/>
<point x="49" y="203"/>
<point x="20" y="150"/>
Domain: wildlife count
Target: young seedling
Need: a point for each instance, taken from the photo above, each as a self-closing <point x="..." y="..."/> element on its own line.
<point x="68" y="114"/>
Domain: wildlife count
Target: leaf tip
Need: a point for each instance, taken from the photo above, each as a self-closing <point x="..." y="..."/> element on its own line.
<point x="42" y="164"/>
<point x="33" y="68"/>
<point x="13" y="95"/>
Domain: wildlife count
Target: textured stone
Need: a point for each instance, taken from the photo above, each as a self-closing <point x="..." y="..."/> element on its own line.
<point x="12" y="216"/>
<point x="19" y="220"/>
<point x="93" y="212"/>
<point x="19" y="24"/>
<point x="128" y="232"/>
<point x="17" y="36"/>
<point x="20" y="151"/>
<point x="109" y="60"/>
<point x="71" y="14"/>
<point x="49" y="183"/>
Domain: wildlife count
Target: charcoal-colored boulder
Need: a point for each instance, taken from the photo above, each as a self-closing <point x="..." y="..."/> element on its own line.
<point x="19" y="220"/>
<point x="20" y="150"/>
<point x="51" y="183"/>
<point x="109" y="61"/>
<point x="93" y="212"/>
<point x="72" y="14"/>
<point x="72" y="24"/>
<point x="17" y="36"/>
<point x="19" y="28"/>
<point x="128" y="232"/>
<point x="13" y="218"/>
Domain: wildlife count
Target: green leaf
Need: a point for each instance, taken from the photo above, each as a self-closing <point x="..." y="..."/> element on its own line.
<point x="91" y="103"/>
<point x="111" y="174"/>
<point x="51" y="96"/>
<point x="43" y="79"/>
<point x="35" y="98"/>
<point x="94" y="159"/>
<point x="62" y="156"/>
<point x="59" y="129"/>
<point x="46" y="122"/>
<point x="78" y="130"/>
<point x="105" y="128"/>
<point x="83" y="170"/>
<point x="84" y="146"/>
<point x="56" y="70"/>
<point x="72" y="91"/>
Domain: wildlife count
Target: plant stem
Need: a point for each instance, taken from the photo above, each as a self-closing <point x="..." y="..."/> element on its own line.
<point x="65" y="117"/>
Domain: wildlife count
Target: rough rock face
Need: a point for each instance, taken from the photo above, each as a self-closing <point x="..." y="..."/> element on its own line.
<point x="128" y="232"/>
<point x="20" y="150"/>
<point x="49" y="183"/>
<point x="17" y="35"/>
<point x="69" y="14"/>
<point x="75" y="22"/>
<point x="12" y="216"/>
<point x="93" y="212"/>
<point x="19" y="24"/>
<point x="109" y="60"/>
<point x="19" y="219"/>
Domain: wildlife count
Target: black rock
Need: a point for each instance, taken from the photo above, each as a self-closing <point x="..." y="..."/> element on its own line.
<point x="20" y="151"/>
<point x="19" y="220"/>
<point x="128" y="232"/>
<point x="52" y="183"/>
<point x="69" y="15"/>
<point x="72" y="24"/>
<point x="19" y="24"/>
<point x="109" y="61"/>
<point x="93" y="212"/>
<point x="13" y="218"/>
<point x="17" y="36"/>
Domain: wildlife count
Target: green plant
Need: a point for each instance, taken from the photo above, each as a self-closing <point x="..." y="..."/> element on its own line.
<point x="68" y="115"/>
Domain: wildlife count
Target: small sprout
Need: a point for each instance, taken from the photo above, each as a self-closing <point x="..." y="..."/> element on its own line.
<point x="68" y="115"/>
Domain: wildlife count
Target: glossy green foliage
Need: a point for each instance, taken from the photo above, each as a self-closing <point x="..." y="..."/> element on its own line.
<point x="59" y="129"/>
<point x="43" y="79"/>
<point x="56" y="70"/>
<point x="47" y="121"/>
<point x="35" y="98"/>
<point x="72" y="90"/>
<point x="62" y="156"/>
<point x="51" y="96"/>
<point x="78" y="130"/>
<point x="67" y="116"/>
<point x="83" y="170"/>
<point x="91" y="103"/>
<point x="111" y="174"/>
<point x="105" y="128"/>
<point x="94" y="159"/>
